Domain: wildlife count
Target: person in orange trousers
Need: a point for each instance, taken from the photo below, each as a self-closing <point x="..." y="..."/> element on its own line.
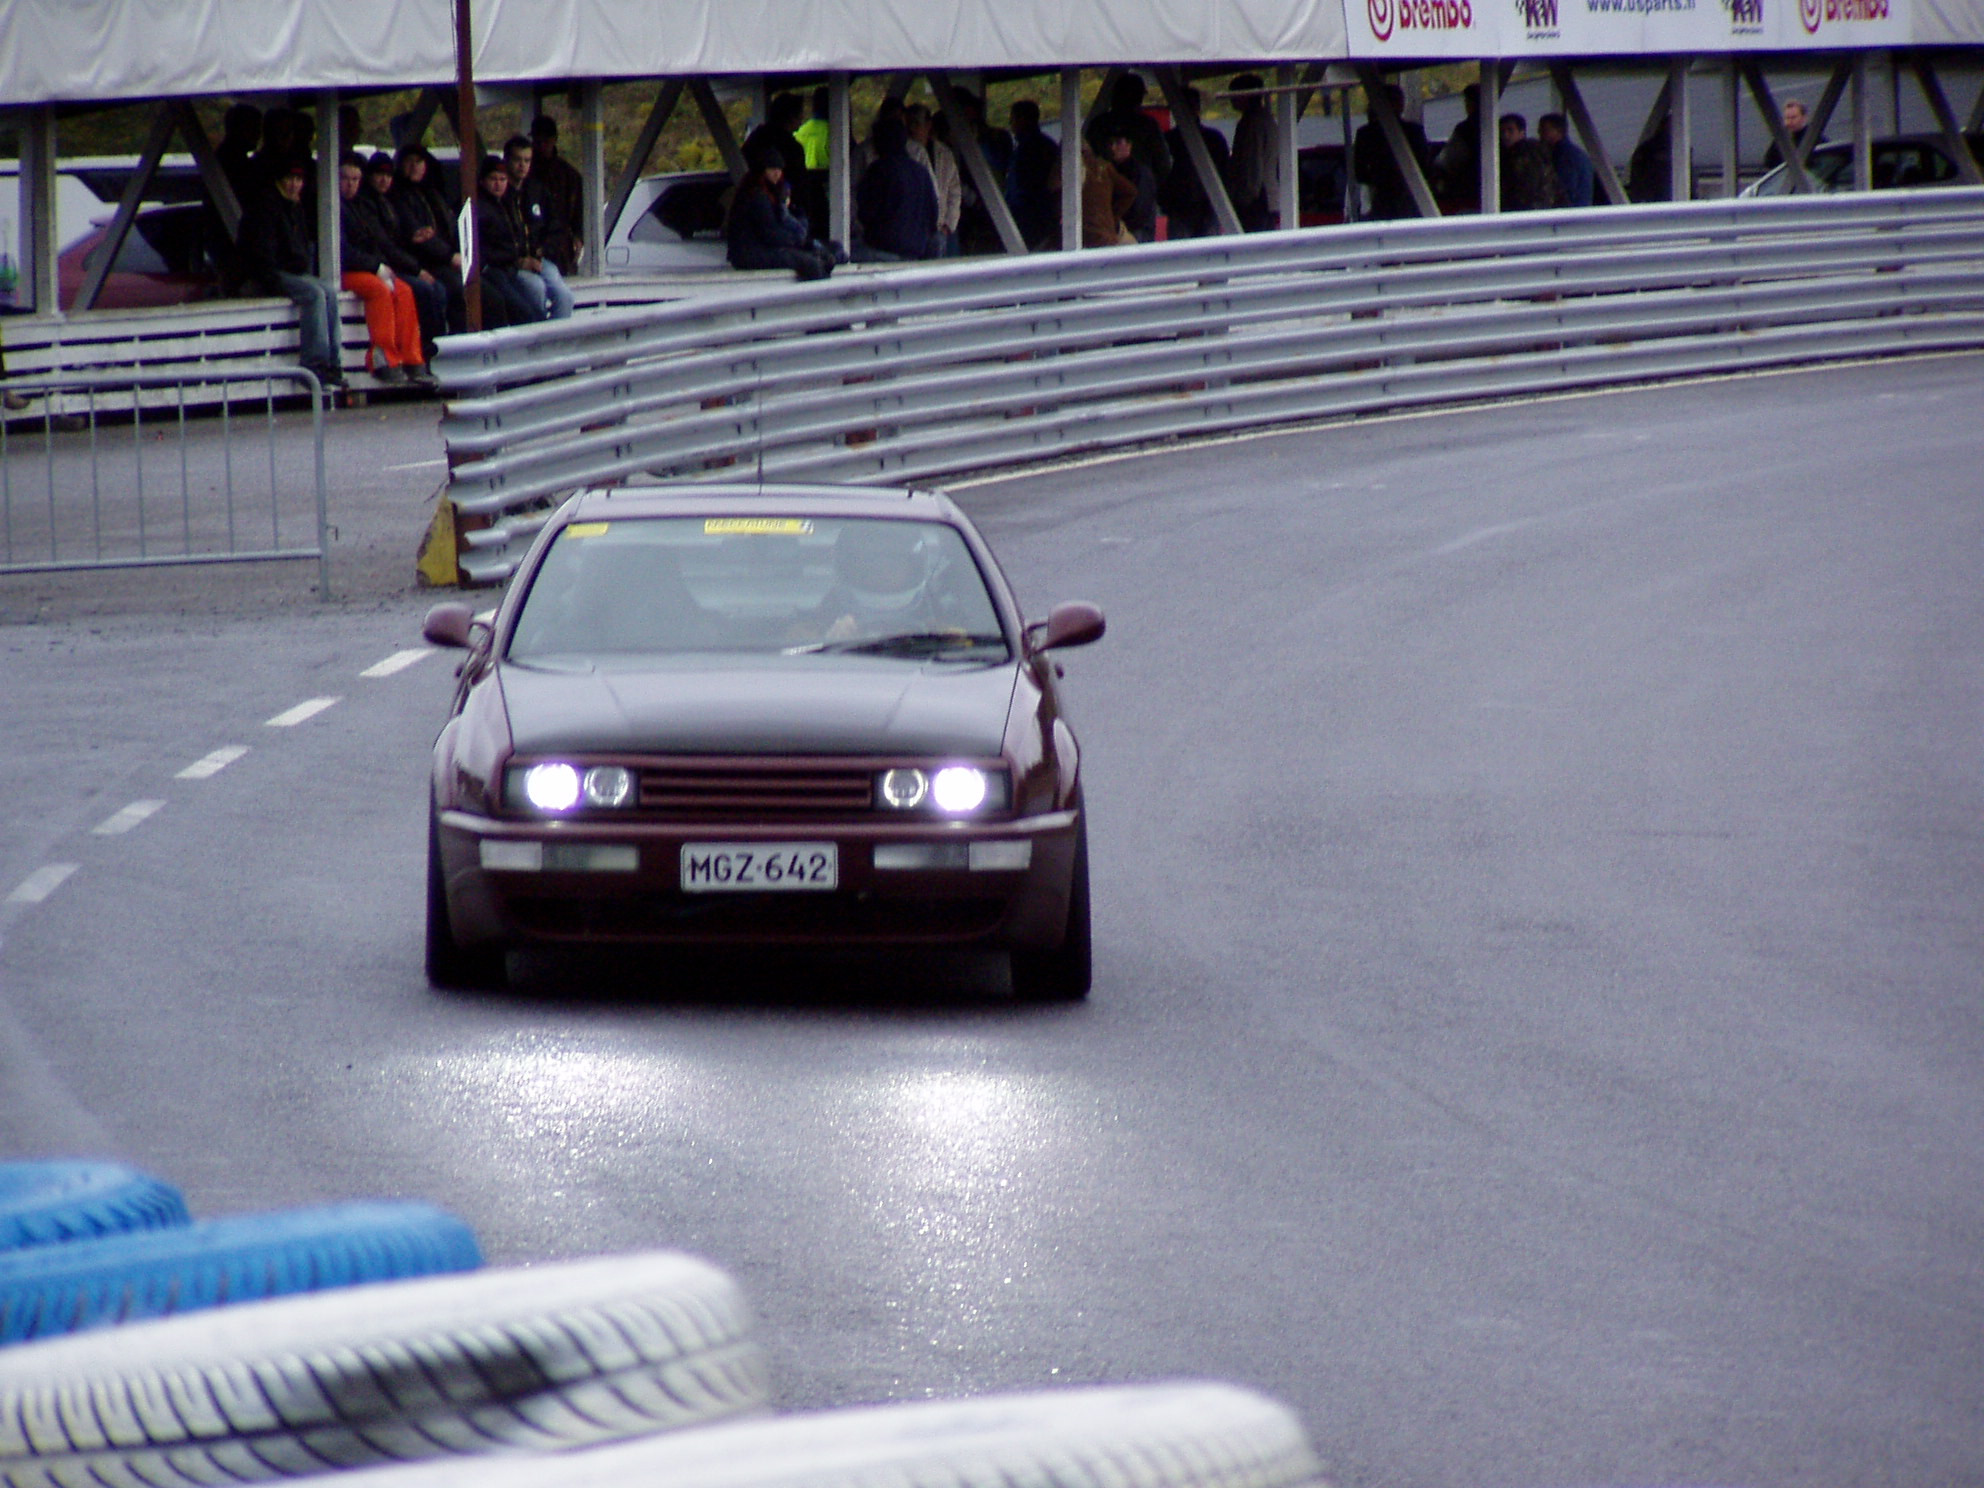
<point x="392" y="318"/>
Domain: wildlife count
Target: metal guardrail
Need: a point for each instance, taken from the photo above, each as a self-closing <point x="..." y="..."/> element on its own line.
<point x="930" y="371"/>
<point x="103" y="471"/>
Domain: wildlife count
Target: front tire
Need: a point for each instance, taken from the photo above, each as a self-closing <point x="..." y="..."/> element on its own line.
<point x="451" y="965"/>
<point x="1064" y="973"/>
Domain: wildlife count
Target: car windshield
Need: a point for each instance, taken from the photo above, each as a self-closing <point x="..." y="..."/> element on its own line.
<point x="774" y="585"/>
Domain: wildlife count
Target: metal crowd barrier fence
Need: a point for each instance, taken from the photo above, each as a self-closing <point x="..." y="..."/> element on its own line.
<point x="135" y="483"/>
<point x="934" y="371"/>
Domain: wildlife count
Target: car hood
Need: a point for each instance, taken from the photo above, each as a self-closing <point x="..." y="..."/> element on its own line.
<point x="759" y="705"/>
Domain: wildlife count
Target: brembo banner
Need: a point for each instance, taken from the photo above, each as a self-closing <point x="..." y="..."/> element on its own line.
<point x="1586" y="28"/>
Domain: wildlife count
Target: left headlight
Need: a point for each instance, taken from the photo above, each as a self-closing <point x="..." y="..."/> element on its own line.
<point x="555" y="787"/>
<point x="953" y="790"/>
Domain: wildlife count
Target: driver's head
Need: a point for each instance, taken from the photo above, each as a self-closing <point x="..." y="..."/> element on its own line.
<point x="881" y="560"/>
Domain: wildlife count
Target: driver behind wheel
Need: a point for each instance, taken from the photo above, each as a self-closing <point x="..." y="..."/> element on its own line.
<point x="881" y="584"/>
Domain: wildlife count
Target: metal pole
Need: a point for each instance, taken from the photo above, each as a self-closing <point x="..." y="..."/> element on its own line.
<point x="592" y="161"/>
<point x="329" y="268"/>
<point x="1732" y="128"/>
<point x="38" y="210"/>
<point x="1490" y="148"/>
<point x="1863" y="127"/>
<point x="840" y="159"/>
<point x="1071" y="159"/>
<point x="1680" y="133"/>
<point x="1288" y="183"/>
<point x="465" y="132"/>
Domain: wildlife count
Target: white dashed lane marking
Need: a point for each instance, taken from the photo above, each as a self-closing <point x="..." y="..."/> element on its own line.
<point x="301" y="713"/>
<point x="39" y="884"/>
<point x="212" y="764"/>
<point x="123" y="821"/>
<point x="399" y="661"/>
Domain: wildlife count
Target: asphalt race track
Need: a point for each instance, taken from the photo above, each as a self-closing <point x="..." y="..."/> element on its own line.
<point x="1539" y="1021"/>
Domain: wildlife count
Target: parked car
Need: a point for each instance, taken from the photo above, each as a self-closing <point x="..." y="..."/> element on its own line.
<point x="1903" y="160"/>
<point x="169" y="257"/>
<point x="731" y="715"/>
<point x="670" y="223"/>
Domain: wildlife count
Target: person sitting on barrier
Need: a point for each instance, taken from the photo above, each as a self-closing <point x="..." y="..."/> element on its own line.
<point x="1573" y="165"/>
<point x="534" y="222"/>
<point x="499" y="249"/>
<point x="277" y="250"/>
<point x="430" y="295"/>
<point x="1529" y="176"/>
<point x="762" y="231"/>
<point x="896" y="202"/>
<point x="382" y="274"/>
<point x="427" y="228"/>
<point x="564" y="188"/>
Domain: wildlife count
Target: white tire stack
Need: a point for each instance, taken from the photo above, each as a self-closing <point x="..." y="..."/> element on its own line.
<point x="1154" y="1436"/>
<point x="536" y="1359"/>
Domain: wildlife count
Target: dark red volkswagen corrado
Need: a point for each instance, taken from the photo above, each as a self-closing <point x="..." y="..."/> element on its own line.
<point x="769" y="715"/>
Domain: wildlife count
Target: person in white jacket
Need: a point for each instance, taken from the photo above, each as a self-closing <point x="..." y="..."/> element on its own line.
<point x="942" y="162"/>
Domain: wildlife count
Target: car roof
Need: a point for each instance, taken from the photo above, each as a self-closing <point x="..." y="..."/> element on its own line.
<point x="727" y="497"/>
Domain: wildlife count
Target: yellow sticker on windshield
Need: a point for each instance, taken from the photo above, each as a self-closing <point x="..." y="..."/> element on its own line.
<point x="757" y="527"/>
<point x="586" y="529"/>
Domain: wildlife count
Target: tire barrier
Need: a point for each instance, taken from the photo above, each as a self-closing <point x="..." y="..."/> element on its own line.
<point x="539" y="1359"/>
<point x="54" y="1289"/>
<point x="1155" y="1436"/>
<point x="44" y="1203"/>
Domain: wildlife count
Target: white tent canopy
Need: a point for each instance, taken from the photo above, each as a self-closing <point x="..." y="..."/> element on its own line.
<point x="56" y="51"/>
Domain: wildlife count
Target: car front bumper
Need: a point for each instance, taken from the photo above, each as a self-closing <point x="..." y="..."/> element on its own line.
<point x="620" y="883"/>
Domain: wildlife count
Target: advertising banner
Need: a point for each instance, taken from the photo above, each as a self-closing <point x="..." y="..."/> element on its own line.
<point x="1402" y="29"/>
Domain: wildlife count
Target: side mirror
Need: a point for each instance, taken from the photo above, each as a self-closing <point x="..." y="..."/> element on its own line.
<point x="448" y="624"/>
<point x="1073" y="622"/>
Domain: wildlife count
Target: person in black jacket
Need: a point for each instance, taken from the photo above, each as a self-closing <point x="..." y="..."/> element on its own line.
<point x="277" y="250"/>
<point x="427" y="227"/>
<point x="762" y="231"/>
<point x="374" y="206"/>
<point x="498" y="250"/>
<point x="392" y="319"/>
<point x="896" y="202"/>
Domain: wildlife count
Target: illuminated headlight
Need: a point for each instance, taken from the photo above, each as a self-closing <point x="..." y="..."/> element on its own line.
<point x="959" y="789"/>
<point x="556" y="787"/>
<point x="552" y="787"/>
<point x="904" y="790"/>
<point x="608" y="785"/>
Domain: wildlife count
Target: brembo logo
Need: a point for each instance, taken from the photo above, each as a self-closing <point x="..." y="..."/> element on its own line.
<point x="1812" y="12"/>
<point x="1421" y="15"/>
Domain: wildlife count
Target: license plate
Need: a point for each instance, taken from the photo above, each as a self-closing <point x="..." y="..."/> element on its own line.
<point x="729" y="867"/>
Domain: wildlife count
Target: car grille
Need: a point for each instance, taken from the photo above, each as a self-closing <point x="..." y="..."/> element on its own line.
<point x="803" y="919"/>
<point x="739" y="790"/>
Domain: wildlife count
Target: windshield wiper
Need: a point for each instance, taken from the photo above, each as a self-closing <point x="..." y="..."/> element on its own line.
<point x="909" y="643"/>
